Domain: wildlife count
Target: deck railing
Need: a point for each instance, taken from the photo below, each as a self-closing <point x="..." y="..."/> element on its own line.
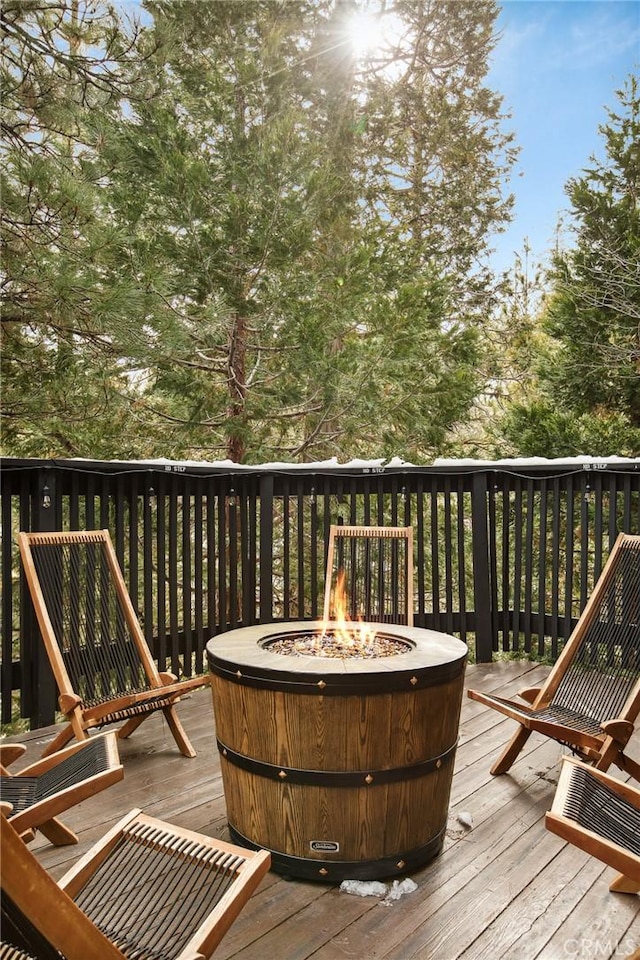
<point x="506" y="553"/>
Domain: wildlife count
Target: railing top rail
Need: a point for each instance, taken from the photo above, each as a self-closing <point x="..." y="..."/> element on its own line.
<point x="533" y="467"/>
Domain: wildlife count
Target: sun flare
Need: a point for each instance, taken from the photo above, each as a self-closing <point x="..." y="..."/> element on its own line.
<point x="376" y="37"/>
<point x="365" y="32"/>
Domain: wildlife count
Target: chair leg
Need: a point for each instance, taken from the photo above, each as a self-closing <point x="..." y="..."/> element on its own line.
<point x="28" y="835"/>
<point x="175" y="726"/>
<point x="622" y="884"/>
<point x="610" y="752"/>
<point x="178" y="732"/>
<point x="132" y="724"/>
<point x="56" y="832"/>
<point x="632" y="767"/>
<point x="61" y="740"/>
<point x="508" y="756"/>
<point x="613" y="753"/>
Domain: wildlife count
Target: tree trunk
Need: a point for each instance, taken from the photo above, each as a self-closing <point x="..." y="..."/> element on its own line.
<point x="237" y="388"/>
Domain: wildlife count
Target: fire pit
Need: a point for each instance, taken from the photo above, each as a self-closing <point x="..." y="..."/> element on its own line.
<point x="337" y="761"/>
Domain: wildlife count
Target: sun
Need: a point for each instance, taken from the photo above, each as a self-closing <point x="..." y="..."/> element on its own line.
<point x="376" y="35"/>
<point x="365" y="32"/>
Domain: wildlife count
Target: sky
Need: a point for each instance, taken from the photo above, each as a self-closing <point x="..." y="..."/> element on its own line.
<point x="557" y="64"/>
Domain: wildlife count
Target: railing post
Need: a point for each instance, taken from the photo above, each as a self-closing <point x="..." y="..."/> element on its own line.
<point x="481" y="568"/>
<point x="266" y="549"/>
<point x="44" y="517"/>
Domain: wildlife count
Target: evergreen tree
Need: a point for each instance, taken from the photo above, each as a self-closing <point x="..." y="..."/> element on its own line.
<point x="65" y="312"/>
<point x="321" y="221"/>
<point x="281" y="252"/>
<point x="588" y="368"/>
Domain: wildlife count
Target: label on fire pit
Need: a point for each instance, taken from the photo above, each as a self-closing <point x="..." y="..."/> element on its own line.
<point x="325" y="846"/>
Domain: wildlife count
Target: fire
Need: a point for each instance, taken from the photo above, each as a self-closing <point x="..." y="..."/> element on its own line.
<point x="347" y="631"/>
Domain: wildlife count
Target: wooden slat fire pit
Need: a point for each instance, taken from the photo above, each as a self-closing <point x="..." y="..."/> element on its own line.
<point x="340" y="765"/>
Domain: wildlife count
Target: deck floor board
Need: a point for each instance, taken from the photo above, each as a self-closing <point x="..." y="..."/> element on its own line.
<point x="502" y="889"/>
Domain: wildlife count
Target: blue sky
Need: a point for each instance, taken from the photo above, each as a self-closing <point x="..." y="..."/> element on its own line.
<point x="558" y="64"/>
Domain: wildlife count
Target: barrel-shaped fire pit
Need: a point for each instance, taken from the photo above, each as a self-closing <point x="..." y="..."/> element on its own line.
<point x="340" y="765"/>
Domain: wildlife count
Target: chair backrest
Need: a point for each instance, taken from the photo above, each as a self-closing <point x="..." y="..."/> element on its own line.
<point x="597" y="802"/>
<point x="8" y="952"/>
<point x="83" y="763"/>
<point x="88" y="623"/>
<point x="375" y="566"/>
<point x="601" y="675"/>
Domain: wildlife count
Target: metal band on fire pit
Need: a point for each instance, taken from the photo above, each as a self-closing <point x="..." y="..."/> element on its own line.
<point x="335" y="684"/>
<point x="334" y="871"/>
<point x="335" y="778"/>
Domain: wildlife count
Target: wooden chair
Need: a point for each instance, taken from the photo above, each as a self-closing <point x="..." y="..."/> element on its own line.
<point x="33" y="797"/>
<point x="375" y="567"/>
<point x="100" y="659"/>
<point x="600" y="815"/>
<point x="146" y="889"/>
<point x="591" y="697"/>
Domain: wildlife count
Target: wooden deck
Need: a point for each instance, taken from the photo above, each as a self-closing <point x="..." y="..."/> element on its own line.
<point x="504" y="888"/>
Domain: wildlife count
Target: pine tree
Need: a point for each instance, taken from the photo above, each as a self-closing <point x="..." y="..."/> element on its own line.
<point x="281" y="246"/>
<point x="65" y="313"/>
<point x="588" y="372"/>
<point x="320" y="221"/>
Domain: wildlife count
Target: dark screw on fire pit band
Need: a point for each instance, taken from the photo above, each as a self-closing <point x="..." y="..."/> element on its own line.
<point x="341" y="767"/>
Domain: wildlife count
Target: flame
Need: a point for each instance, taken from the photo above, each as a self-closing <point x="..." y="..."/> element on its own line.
<point x="349" y="632"/>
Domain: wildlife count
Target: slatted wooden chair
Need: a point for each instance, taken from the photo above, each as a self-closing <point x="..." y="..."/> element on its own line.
<point x="591" y="697"/>
<point x="601" y="815"/>
<point x="100" y="659"/>
<point x="35" y="796"/>
<point x="374" y="565"/>
<point x="147" y="889"/>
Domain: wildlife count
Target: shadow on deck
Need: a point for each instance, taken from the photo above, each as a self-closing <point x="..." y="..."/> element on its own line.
<point x="502" y="888"/>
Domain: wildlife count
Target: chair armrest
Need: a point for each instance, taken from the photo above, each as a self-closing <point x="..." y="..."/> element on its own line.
<point x="168" y="678"/>
<point x="10" y="752"/>
<point x="530" y="694"/>
<point x="618" y="730"/>
<point x="68" y="702"/>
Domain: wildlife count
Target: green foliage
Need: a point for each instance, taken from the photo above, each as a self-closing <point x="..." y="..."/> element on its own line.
<point x="586" y="386"/>
<point x="261" y="246"/>
<point x="66" y="306"/>
<point x="543" y="429"/>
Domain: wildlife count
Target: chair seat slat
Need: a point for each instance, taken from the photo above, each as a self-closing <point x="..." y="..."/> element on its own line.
<point x="20" y="792"/>
<point x="595" y="806"/>
<point x="568" y="718"/>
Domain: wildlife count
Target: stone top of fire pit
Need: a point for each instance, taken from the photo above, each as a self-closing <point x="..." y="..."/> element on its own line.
<point x="343" y="644"/>
<point x="247" y="654"/>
